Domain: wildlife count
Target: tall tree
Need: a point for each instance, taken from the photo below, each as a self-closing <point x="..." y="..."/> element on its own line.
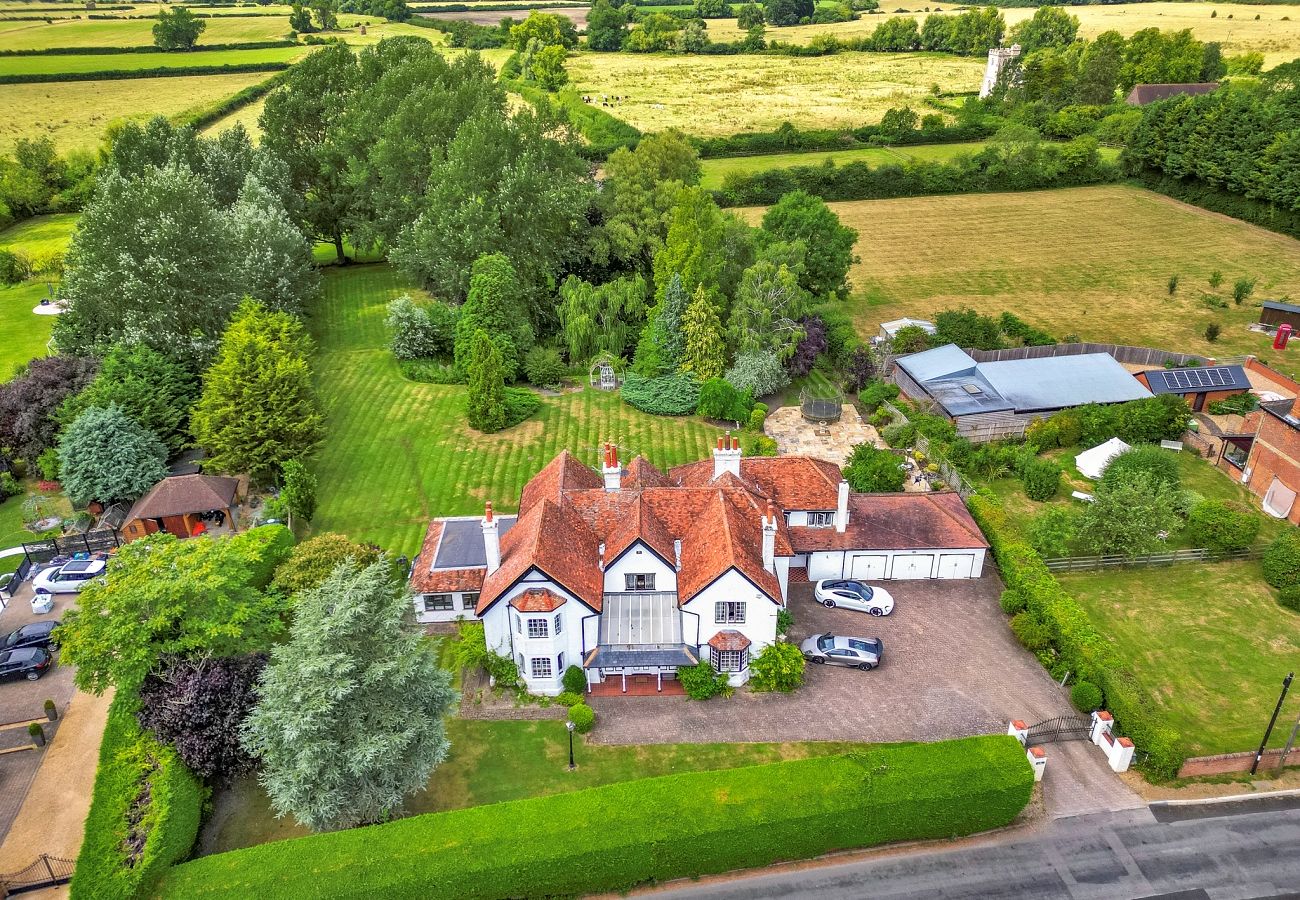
<point x="150" y="263"/>
<point x="486" y="398"/>
<point x="108" y="456"/>
<point x="272" y="259"/>
<point x="30" y="400"/>
<point x="1050" y="26"/>
<point x="1099" y="68"/>
<point x="606" y="27"/>
<point x="177" y="29"/>
<point x="298" y="491"/>
<point x="350" y="716"/>
<point x="693" y="246"/>
<point x="149" y="387"/>
<point x="801" y="217"/>
<point x="493" y="306"/>
<point x="162" y="596"/>
<point x="704" y="354"/>
<point x="641" y="186"/>
<point x="258" y="409"/>
<point x="601" y="318"/>
<point x="765" y="314"/>
<point x="300" y="125"/>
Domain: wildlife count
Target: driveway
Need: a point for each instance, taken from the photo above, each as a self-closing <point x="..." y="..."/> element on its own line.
<point x="952" y="668"/>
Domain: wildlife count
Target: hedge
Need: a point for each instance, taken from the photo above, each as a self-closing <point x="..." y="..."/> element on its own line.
<point x="143" y="48"/>
<point x="665" y="395"/>
<point x="787" y="138"/>
<point x="676" y="826"/>
<point x="125" y="74"/>
<point x="1207" y="196"/>
<point x="131" y="763"/>
<point x="604" y="133"/>
<point x="204" y="117"/>
<point x="1081" y="648"/>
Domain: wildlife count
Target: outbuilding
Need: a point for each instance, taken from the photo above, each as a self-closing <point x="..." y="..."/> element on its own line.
<point x="1197" y="385"/>
<point x="183" y="505"/>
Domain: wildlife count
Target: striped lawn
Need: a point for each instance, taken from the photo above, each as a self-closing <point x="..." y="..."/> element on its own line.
<point x="399" y="452"/>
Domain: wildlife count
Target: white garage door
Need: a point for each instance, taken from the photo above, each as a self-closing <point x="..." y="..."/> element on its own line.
<point x="868" y="567"/>
<point x="956" y="565"/>
<point x="913" y="566"/>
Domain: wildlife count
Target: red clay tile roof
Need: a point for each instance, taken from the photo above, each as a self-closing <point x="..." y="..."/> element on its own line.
<point x="177" y="495"/>
<point x="728" y="640"/>
<point x="794" y="482"/>
<point x="721" y="540"/>
<point x="551" y="537"/>
<point x="640" y="524"/>
<point x="564" y="473"/>
<point x="441" y="581"/>
<point x="642" y="474"/>
<point x="918" y="521"/>
<point x="537" y="600"/>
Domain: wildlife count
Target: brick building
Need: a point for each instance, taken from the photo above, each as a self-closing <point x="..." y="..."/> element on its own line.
<point x="1198" y="386"/>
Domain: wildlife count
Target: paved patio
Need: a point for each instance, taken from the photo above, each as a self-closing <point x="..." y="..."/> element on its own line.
<point x="952" y="668"/>
<point x="795" y="437"/>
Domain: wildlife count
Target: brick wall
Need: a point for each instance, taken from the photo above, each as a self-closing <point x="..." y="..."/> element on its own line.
<point x="1276" y="453"/>
<point x="1228" y="763"/>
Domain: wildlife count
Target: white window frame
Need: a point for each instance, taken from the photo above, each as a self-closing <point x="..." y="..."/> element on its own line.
<point x="821" y="519"/>
<point x="559" y="663"/>
<point x="725" y="612"/>
<point x="559" y="624"/>
<point x="538" y="662"/>
<point x="429" y="598"/>
<point x="538" y="624"/>
<point x="729" y="660"/>
<point x="630" y="581"/>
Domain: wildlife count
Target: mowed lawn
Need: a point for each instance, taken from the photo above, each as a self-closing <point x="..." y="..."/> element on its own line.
<point x="136" y="32"/>
<point x="398" y="452"/>
<point x="75" y="113"/>
<point x="26" y="334"/>
<point x="715" y="171"/>
<point x="719" y="95"/>
<point x="496" y="761"/>
<point x="1210" y="642"/>
<point x="1276" y="33"/>
<point x="102" y="62"/>
<point x="1092" y="261"/>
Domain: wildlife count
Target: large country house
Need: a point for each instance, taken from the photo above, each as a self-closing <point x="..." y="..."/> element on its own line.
<point x="631" y="571"/>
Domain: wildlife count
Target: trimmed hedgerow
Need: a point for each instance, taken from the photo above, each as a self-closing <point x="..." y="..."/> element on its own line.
<point x="144" y="811"/>
<point x="665" y="395"/>
<point x="738" y="818"/>
<point x="126" y="74"/>
<point x="1076" y="642"/>
<point x="1282" y="560"/>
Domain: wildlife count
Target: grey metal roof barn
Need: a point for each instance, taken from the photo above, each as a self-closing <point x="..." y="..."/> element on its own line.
<point x="963" y="387"/>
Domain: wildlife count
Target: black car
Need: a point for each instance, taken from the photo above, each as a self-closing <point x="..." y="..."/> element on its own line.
<point x="37" y="634"/>
<point x="29" y="662"/>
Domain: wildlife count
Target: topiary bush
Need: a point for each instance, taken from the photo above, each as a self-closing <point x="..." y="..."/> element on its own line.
<point x="1223" y="525"/>
<point x="665" y="395"/>
<point x="1282" y="560"/>
<point x="568" y="699"/>
<point x="1289" y="597"/>
<point x="1012" y="602"/>
<point x="700" y="681"/>
<point x="583" y="717"/>
<point x="1085" y="696"/>
<point x="778" y="667"/>
<point x="1042" y="478"/>
<point x="1030" y="631"/>
<point x="574" y="681"/>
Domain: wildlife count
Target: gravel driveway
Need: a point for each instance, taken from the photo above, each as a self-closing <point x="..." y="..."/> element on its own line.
<point x="952" y="668"/>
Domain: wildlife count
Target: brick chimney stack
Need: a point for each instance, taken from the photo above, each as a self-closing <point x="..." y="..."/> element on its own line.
<point x="491" y="539"/>
<point x="726" y="456"/>
<point x="611" y="468"/>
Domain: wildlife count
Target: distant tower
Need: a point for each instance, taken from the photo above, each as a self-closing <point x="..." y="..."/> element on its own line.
<point x="998" y="58"/>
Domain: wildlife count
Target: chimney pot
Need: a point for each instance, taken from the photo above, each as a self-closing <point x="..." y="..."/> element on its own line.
<point x="487" y="511"/>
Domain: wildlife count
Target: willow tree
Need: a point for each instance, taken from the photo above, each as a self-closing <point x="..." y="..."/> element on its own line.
<point x="601" y="318"/>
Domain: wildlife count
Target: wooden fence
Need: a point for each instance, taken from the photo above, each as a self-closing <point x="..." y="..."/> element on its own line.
<point x="947" y="471"/>
<point x="1200" y="554"/>
<point x="1139" y="356"/>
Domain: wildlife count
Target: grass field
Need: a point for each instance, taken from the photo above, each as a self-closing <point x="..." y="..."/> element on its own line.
<point x="1090" y="261"/>
<point x="398" y="453"/>
<point x="1210" y="642"/>
<point x="245" y="115"/>
<point x="75" y="114"/>
<point x="717" y="95"/>
<point x="100" y="62"/>
<point x="136" y="32"/>
<point x="12" y="532"/>
<point x="1276" y="34"/>
<point x="716" y="170"/>
<point x="496" y="761"/>
<point x="25" y="334"/>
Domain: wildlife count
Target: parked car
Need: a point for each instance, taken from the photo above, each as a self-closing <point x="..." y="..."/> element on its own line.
<point x="37" y="634"/>
<point x="68" y="578"/>
<point x="852" y="594"/>
<point x="28" y="662"/>
<point x="839" y="650"/>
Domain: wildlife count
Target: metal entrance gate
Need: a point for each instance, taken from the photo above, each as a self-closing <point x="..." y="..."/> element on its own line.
<point x="46" y="871"/>
<point x="1065" y="728"/>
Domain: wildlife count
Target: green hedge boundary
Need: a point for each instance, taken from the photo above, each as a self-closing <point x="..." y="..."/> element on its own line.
<point x="129" y="759"/>
<point x="604" y="133"/>
<point x="145" y="48"/>
<point x="656" y="829"/>
<point x="127" y="74"/>
<point x="202" y="118"/>
<point x="1207" y="196"/>
<point x="1078" y="642"/>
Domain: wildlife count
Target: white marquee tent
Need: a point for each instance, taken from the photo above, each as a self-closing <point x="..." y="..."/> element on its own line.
<point x="1092" y="463"/>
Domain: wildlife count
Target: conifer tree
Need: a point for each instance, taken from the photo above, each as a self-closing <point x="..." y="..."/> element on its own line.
<point x="703" y="353"/>
<point x="486" y="404"/>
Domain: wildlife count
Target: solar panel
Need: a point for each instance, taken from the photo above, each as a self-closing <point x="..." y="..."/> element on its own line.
<point x="1192" y="379"/>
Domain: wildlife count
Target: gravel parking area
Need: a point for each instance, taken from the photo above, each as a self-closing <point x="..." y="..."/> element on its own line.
<point x="952" y="668"/>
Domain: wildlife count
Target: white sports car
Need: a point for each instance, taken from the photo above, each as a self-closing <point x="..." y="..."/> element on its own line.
<point x="854" y="595"/>
<point x="68" y="578"/>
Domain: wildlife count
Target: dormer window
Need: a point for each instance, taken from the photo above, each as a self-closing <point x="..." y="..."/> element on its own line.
<point x="640" y="582"/>
<point x="821" y="519"/>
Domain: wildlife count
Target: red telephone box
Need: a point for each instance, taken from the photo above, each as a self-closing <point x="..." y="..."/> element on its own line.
<point x="1283" y="335"/>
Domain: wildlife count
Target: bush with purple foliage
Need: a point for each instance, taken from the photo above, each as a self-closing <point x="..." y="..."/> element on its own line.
<point x="813" y="345"/>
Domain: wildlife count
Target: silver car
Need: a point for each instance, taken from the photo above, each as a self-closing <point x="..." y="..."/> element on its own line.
<point x="838" y="650"/>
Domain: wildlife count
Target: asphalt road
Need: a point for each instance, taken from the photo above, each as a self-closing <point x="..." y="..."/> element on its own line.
<point x="1246" y="849"/>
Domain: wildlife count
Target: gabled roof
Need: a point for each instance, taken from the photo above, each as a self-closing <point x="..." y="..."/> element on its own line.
<point x="1197" y="380"/>
<point x="639" y="523"/>
<point x="642" y="474"/>
<point x="552" y="538"/>
<point x="794" y="482"/>
<point x="916" y="521"/>
<point x="536" y="600"/>
<point x="564" y="473"/>
<point x="177" y="495"/>
<point x="1142" y="94"/>
<point x="720" y="541"/>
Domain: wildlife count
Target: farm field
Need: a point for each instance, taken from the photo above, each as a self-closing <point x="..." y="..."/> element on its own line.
<point x="496" y="761"/>
<point x="576" y="14"/>
<point x="245" y="115"/>
<point x="719" y="95"/>
<point x="1210" y="642"/>
<point x="398" y="452"/>
<point x="101" y="62"/>
<point x="1276" y="34"/>
<point x="716" y="170"/>
<point x="1092" y="261"/>
<point x="138" y="32"/>
<point x="74" y="114"/>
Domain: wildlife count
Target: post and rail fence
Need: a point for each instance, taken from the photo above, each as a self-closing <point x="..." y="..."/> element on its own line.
<point x="1199" y="554"/>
